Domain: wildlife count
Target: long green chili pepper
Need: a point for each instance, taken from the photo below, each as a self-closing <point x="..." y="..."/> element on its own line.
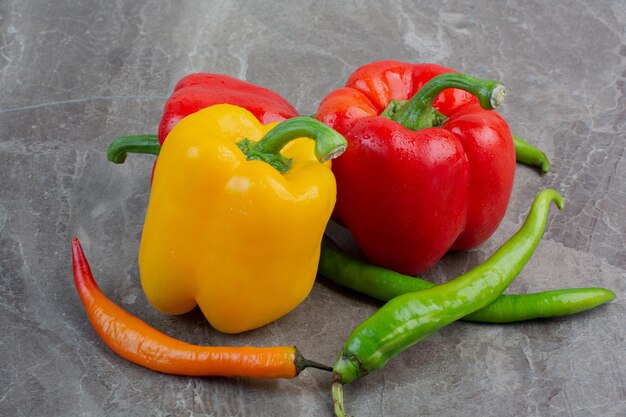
<point x="383" y="284"/>
<point x="410" y="318"/>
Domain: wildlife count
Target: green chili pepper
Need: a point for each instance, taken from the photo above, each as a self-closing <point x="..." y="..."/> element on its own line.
<point x="527" y="154"/>
<point x="383" y="284"/>
<point x="410" y="318"/>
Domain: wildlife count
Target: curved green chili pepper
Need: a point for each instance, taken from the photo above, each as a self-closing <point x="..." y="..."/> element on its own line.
<point x="527" y="154"/>
<point x="410" y="318"/>
<point x="383" y="284"/>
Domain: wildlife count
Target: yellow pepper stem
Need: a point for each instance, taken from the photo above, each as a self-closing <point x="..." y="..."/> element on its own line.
<point x="328" y="143"/>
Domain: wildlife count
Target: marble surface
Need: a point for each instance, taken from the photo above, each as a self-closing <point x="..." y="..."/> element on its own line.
<point x="76" y="74"/>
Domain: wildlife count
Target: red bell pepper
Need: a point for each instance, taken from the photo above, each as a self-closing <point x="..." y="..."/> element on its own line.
<point x="424" y="176"/>
<point x="196" y="91"/>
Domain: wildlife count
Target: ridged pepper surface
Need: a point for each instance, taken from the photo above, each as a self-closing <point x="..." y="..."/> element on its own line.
<point x="429" y="166"/>
<point x="236" y="216"/>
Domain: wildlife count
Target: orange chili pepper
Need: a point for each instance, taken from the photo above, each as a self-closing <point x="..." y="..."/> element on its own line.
<point x="138" y="342"/>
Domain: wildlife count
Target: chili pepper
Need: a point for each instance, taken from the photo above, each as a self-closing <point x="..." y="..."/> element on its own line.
<point x="529" y="155"/>
<point x="136" y="341"/>
<point x="410" y="318"/>
<point x="217" y="222"/>
<point x="344" y="269"/>
<point x="423" y="177"/>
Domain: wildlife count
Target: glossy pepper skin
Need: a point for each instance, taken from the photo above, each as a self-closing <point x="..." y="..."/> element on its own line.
<point x="410" y="194"/>
<point x="234" y="236"/>
<point x="196" y="91"/>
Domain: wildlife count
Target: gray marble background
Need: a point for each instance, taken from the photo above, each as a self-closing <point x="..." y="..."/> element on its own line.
<point x="76" y="74"/>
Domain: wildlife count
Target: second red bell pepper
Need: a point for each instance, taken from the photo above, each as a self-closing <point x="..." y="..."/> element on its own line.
<point x="197" y="91"/>
<point x="429" y="167"/>
<point x="200" y="90"/>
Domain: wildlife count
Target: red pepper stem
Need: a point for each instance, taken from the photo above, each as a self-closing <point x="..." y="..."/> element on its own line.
<point x="418" y="113"/>
<point x="328" y="143"/>
<point x="120" y="147"/>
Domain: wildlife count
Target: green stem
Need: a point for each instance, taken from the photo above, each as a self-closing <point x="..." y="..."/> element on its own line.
<point x="392" y="108"/>
<point x="418" y="113"/>
<point x="120" y="147"/>
<point x="337" y="390"/>
<point x="328" y="143"/>
<point x="529" y="155"/>
<point x="303" y="363"/>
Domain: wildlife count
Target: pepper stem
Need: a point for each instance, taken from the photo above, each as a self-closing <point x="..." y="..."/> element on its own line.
<point x="328" y="143"/>
<point x="120" y="147"/>
<point x="337" y="390"/>
<point x="418" y="113"/>
<point x="303" y="363"/>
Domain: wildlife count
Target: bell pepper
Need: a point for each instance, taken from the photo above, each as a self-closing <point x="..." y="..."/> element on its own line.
<point x="236" y="216"/>
<point x="196" y="91"/>
<point x="429" y="166"/>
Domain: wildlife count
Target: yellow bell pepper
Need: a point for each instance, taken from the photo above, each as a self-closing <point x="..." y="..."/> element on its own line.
<point x="234" y="223"/>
